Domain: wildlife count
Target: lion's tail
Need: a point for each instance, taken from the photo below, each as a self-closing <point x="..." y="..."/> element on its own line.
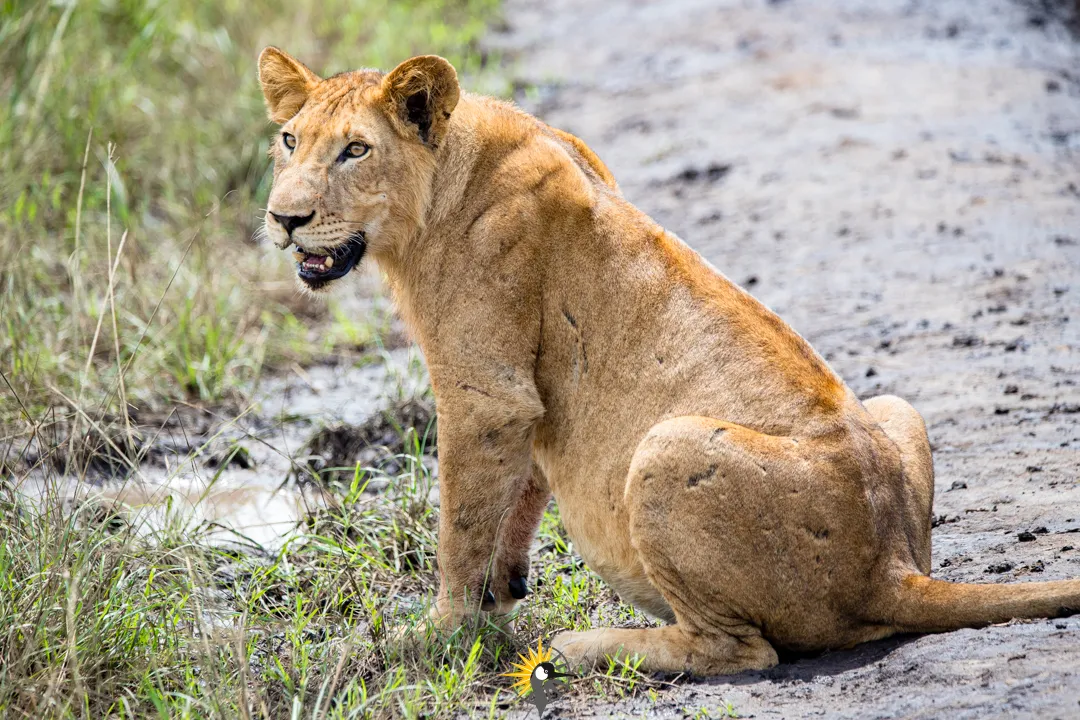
<point x="928" y="605"/>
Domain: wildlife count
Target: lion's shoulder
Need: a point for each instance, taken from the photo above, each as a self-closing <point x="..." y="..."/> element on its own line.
<point x="503" y="118"/>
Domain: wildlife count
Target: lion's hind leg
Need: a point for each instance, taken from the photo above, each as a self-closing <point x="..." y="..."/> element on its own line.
<point x="905" y="427"/>
<point x="740" y="534"/>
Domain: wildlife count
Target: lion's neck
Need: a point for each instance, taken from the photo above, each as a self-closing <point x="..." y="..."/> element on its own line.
<point x="469" y="184"/>
<point x="507" y="191"/>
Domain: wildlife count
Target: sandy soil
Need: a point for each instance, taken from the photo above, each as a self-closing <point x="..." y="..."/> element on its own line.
<point x="901" y="182"/>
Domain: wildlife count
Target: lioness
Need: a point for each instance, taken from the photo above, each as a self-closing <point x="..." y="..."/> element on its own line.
<point x="708" y="464"/>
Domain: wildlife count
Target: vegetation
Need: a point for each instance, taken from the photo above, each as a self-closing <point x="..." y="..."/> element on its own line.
<point x="101" y="619"/>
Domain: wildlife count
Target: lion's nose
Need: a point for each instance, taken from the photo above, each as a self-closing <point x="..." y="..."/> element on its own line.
<point x="291" y="222"/>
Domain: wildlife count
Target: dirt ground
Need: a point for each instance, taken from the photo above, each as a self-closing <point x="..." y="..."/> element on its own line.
<point x="900" y="181"/>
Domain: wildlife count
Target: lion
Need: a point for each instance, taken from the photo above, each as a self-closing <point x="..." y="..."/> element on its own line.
<point x="707" y="463"/>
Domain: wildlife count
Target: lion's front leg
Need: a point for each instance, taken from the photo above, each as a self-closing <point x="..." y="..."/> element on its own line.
<point x="486" y="475"/>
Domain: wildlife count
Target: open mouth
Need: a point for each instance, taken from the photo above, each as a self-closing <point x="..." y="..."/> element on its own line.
<point x="317" y="270"/>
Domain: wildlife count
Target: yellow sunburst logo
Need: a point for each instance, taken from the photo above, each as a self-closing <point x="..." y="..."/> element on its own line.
<point x="526" y="666"/>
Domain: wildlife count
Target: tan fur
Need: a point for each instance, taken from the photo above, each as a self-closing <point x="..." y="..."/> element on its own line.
<point x="707" y="462"/>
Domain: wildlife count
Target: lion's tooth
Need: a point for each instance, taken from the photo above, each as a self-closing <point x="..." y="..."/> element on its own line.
<point x="299" y="256"/>
<point x="329" y="262"/>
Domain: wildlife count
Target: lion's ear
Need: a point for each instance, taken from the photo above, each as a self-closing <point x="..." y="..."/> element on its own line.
<point x="422" y="93"/>
<point x="286" y="83"/>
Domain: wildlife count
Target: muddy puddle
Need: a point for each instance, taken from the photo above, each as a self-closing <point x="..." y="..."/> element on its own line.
<point x="250" y="481"/>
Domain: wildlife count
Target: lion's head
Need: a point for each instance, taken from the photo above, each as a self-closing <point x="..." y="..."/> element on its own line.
<point x="354" y="160"/>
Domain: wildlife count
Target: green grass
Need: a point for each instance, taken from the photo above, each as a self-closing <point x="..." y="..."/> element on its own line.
<point x="102" y="617"/>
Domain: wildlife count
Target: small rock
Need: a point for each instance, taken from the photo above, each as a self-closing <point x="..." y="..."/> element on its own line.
<point x="1011" y="389"/>
<point x="1026" y="537"/>
<point x="958" y="485"/>
<point x="999" y="568"/>
<point x="716" y="171"/>
<point x="944" y="520"/>
<point x="712" y="173"/>
<point x="966" y="341"/>
<point x="871" y="372"/>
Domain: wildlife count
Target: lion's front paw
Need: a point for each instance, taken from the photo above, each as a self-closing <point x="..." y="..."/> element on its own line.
<point x="446" y="615"/>
<point x="441" y="619"/>
<point x="440" y="624"/>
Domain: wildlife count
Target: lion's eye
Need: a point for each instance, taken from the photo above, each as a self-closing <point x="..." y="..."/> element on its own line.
<point x="289" y="140"/>
<point x="355" y="150"/>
